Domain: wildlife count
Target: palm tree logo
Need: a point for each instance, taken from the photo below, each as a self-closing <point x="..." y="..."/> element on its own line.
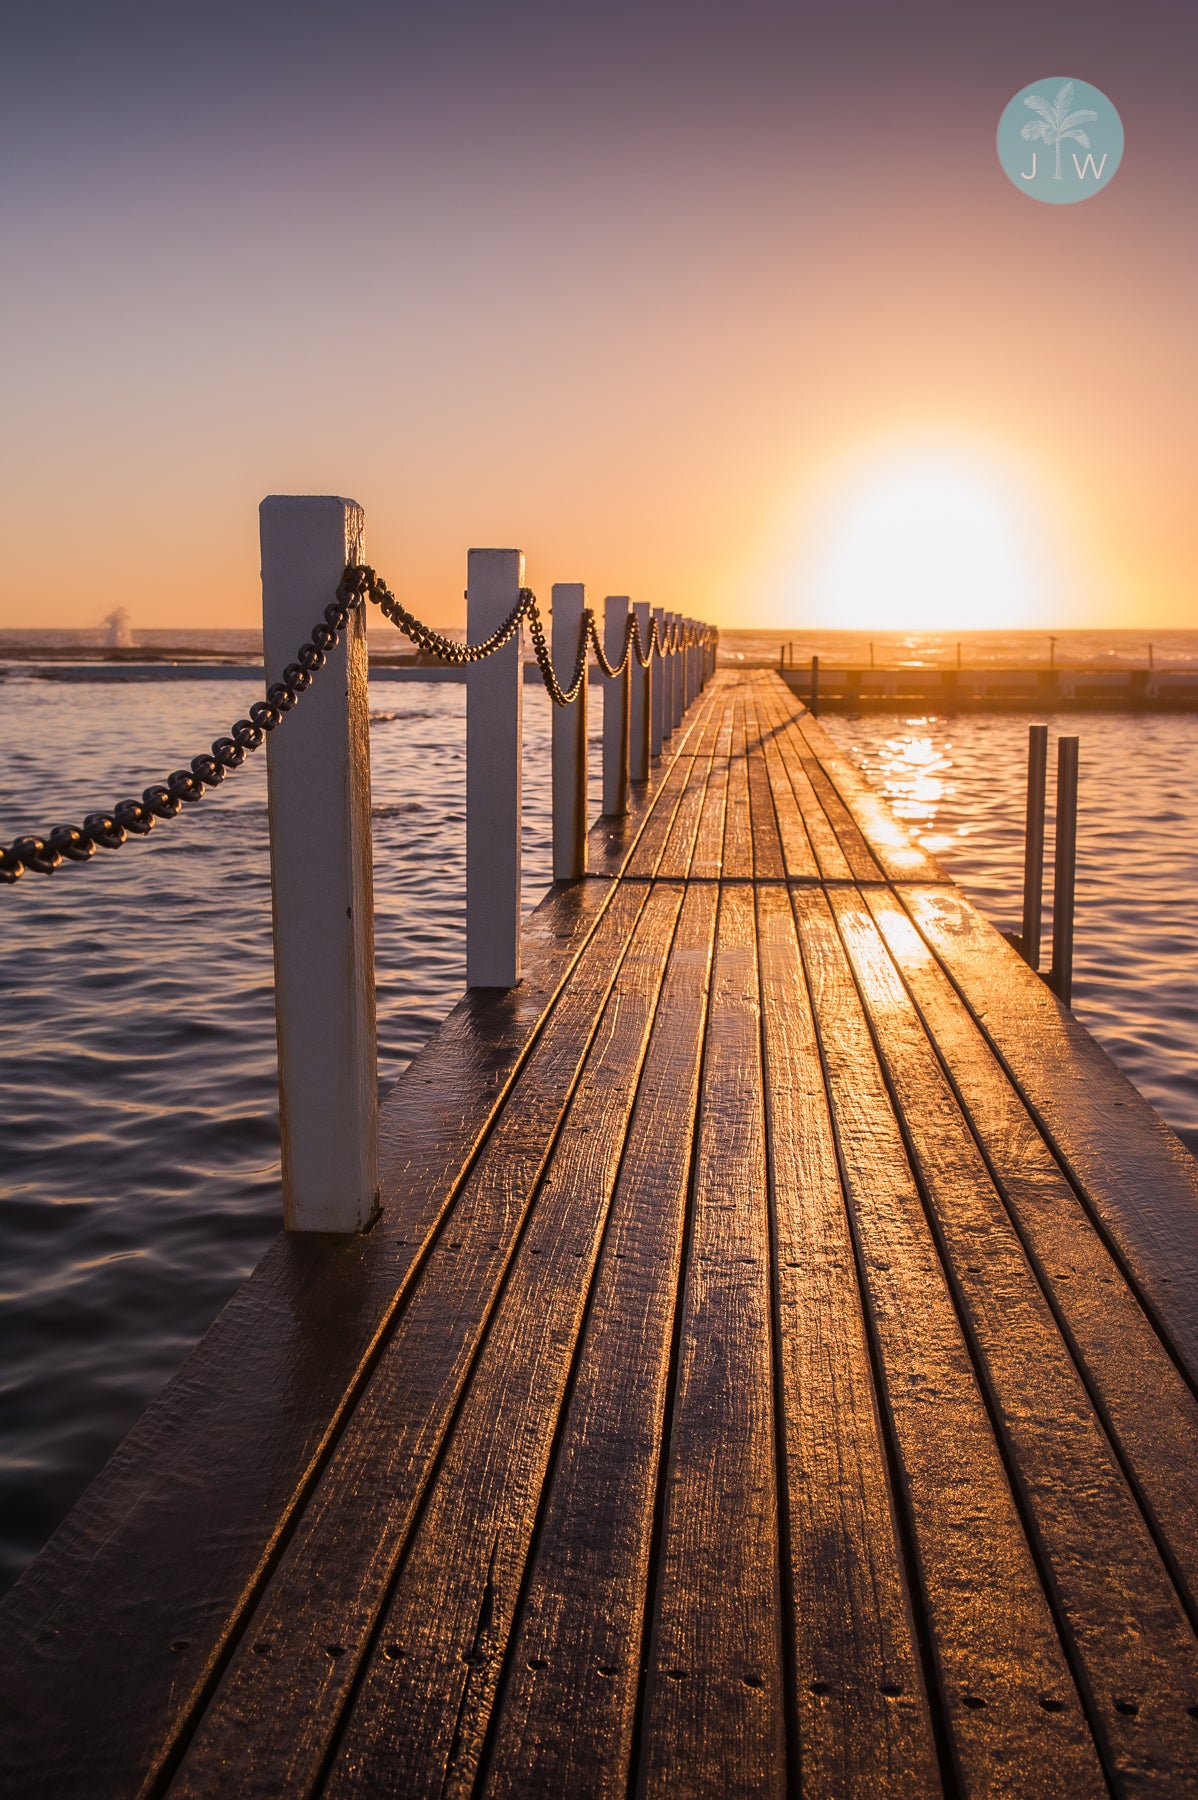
<point x="1056" y="122"/>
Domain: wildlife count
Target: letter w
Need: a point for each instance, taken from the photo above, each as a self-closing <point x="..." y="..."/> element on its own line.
<point x="1090" y="164"/>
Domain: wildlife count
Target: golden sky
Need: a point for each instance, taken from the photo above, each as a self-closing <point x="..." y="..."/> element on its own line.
<point x="724" y="307"/>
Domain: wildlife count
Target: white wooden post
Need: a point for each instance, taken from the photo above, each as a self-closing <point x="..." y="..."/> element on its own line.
<point x="569" y="738"/>
<point x="640" y="703"/>
<point x="667" y="685"/>
<point x="679" y="660"/>
<point x="318" y="798"/>
<point x="615" y="710"/>
<point x="494" y="717"/>
<point x="657" y="691"/>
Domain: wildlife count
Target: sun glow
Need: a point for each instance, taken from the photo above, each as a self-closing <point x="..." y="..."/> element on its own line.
<point x="923" y="539"/>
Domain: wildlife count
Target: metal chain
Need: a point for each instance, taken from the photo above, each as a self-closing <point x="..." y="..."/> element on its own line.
<point x="164" y="800"/>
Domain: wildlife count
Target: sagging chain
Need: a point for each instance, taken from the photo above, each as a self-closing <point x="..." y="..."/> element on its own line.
<point x="164" y="800"/>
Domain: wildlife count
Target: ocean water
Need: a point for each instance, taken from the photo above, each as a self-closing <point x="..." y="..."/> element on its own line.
<point x="138" y="1134"/>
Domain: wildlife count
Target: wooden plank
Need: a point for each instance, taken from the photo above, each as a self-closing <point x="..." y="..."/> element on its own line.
<point x="860" y="857"/>
<point x="832" y="864"/>
<point x="864" y="1723"/>
<point x="331" y="1578"/>
<point x="768" y="861"/>
<point x="611" y="841"/>
<point x="705" y="857"/>
<point x="1133" y="1646"/>
<point x="423" y="1701"/>
<point x="1139" y="1181"/>
<point x="797" y="854"/>
<point x="1138" y="1387"/>
<point x="991" y="1629"/>
<point x="714" y="1705"/>
<point x="675" y="849"/>
<point x="565" y="1723"/>
<point x="737" y="862"/>
<point x="901" y="857"/>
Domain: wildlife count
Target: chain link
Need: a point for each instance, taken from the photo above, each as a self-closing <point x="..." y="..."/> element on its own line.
<point x="164" y="800"/>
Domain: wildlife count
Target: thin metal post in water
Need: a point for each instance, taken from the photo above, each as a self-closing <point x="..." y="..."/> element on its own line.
<point x="494" y="716"/>
<point x="318" y="797"/>
<point x="657" y="691"/>
<point x="1033" y="847"/>
<point x="1065" y="870"/>
<point x="640" y="701"/>
<point x="615" y="710"/>
<point x="813" y="698"/>
<point x="569" y="738"/>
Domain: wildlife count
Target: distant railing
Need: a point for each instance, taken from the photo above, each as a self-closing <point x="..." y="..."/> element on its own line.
<point x="318" y="788"/>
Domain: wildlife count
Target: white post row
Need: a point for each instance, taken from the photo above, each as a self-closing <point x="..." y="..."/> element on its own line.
<point x="318" y="797"/>
<point x="615" y="710"/>
<point x="640" y="702"/>
<point x="569" y="738"/>
<point x="494" y="722"/>
<point x="657" y="691"/>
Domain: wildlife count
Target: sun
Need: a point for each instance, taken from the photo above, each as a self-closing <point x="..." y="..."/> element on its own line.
<point x="923" y="538"/>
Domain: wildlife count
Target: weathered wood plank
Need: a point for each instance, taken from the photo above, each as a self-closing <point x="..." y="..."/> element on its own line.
<point x="714" y="1705"/>
<point x="1139" y="1181"/>
<point x="1133" y="1647"/>
<point x="768" y="860"/>
<point x="992" y="1631"/>
<point x="565" y="1722"/>
<point x="860" y="857"/>
<point x="675" y="851"/>
<point x="422" y="1702"/>
<point x="901" y="857"/>
<point x="797" y="854"/>
<point x="864" y="1725"/>
<point x="738" y="827"/>
<point x="831" y="862"/>
<point x="1150" y="1408"/>
<point x="331" y="1578"/>
<point x="705" y="856"/>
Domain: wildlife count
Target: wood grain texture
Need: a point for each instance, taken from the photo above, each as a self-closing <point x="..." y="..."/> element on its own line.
<point x="1132" y="1646"/>
<point x="864" y="1724"/>
<point x="768" y="860"/>
<point x="1139" y="1180"/>
<point x="705" y="855"/>
<point x="992" y="1629"/>
<point x="714" y="1705"/>
<point x="566" y="1719"/>
<point x="676" y="849"/>
<point x="901" y="858"/>
<point x="861" y="859"/>
<point x="831" y="862"/>
<point x="1151" y="1411"/>
<point x="737" y="862"/>
<point x="276" y="1703"/>
<point x="423" y="1701"/>
<point x="798" y="857"/>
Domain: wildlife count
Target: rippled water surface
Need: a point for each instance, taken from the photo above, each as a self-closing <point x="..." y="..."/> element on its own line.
<point x="138" y="1136"/>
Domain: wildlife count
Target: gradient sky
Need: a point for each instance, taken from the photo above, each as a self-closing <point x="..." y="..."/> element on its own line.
<point x="670" y="296"/>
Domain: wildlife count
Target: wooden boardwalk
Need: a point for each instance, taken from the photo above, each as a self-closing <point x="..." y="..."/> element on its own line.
<point x="773" y="1372"/>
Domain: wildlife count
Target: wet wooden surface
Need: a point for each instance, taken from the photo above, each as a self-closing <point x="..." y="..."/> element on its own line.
<point x="773" y="1372"/>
